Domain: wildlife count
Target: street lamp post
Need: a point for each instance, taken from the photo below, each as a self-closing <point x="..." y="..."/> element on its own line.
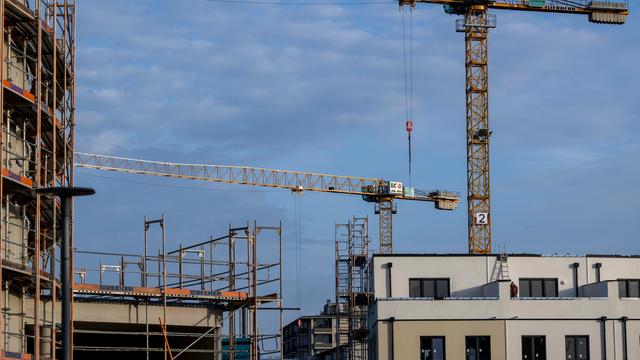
<point x="66" y="194"/>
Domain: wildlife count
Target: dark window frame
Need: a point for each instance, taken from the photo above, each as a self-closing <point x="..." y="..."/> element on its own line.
<point x="303" y="340"/>
<point x="325" y="337"/>
<point x="322" y="323"/>
<point x="575" y="344"/>
<point x="435" y="287"/>
<point x="444" y="345"/>
<point x="529" y="341"/>
<point x="626" y="283"/>
<point x="544" y="287"/>
<point x="477" y="338"/>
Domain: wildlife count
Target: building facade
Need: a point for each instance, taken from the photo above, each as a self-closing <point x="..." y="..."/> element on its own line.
<point x="312" y="337"/>
<point x="481" y="307"/>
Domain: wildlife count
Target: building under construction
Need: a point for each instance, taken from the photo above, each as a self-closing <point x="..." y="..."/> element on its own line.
<point x="196" y="301"/>
<point x="38" y="102"/>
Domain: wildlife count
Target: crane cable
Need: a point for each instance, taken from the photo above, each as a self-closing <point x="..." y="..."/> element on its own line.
<point x="296" y="245"/>
<point x="408" y="79"/>
<point x="300" y="247"/>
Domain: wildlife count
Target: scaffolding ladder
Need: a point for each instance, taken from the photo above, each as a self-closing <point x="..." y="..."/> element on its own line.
<point x="342" y="235"/>
<point x="503" y="258"/>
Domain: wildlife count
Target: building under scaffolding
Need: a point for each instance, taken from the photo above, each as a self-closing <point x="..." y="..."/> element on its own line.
<point x="210" y="295"/>
<point x="38" y="101"/>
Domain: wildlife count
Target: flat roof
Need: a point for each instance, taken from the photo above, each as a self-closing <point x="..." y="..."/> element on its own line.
<point x="512" y="255"/>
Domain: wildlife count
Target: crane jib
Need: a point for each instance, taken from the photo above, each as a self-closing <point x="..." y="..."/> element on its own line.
<point x="371" y="189"/>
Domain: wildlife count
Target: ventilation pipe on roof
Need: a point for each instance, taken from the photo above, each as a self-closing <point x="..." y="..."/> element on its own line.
<point x="575" y="278"/>
<point x="598" y="267"/>
<point x="389" y="292"/>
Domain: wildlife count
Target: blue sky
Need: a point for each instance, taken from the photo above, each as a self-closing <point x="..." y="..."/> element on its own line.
<point x="321" y="88"/>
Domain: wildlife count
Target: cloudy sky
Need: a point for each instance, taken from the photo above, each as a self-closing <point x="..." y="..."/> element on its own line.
<point x="321" y="88"/>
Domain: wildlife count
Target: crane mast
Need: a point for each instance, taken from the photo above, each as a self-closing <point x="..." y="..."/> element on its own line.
<point x="379" y="191"/>
<point x="475" y="24"/>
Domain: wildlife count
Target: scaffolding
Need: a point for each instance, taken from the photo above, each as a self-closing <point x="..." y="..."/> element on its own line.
<point x="352" y="288"/>
<point x="37" y="122"/>
<point x="224" y="275"/>
<point x="342" y="272"/>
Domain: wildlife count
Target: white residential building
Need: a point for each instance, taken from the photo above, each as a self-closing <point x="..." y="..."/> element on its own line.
<point x="481" y="307"/>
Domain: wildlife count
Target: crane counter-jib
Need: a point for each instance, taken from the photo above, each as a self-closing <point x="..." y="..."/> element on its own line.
<point x="601" y="12"/>
<point x="371" y="189"/>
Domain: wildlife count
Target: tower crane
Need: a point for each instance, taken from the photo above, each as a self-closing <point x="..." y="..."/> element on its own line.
<point x="379" y="191"/>
<point x="475" y="24"/>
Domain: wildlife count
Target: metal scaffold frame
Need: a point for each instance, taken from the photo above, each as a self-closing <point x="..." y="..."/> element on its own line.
<point x="37" y="122"/>
<point x="352" y="288"/>
<point x="223" y="273"/>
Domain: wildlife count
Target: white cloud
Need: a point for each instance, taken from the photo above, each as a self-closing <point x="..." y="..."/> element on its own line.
<point x="105" y="142"/>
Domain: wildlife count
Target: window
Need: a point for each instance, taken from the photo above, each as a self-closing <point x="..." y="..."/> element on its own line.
<point x="414" y="287"/>
<point x="629" y="288"/>
<point x="577" y="347"/>
<point x="323" y="339"/>
<point x="303" y="340"/>
<point x="322" y="323"/>
<point x="534" y="347"/>
<point x="478" y="347"/>
<point x="538" y="287"/>
<point x="433" y="288"/>
<point x="432" y="348"/>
